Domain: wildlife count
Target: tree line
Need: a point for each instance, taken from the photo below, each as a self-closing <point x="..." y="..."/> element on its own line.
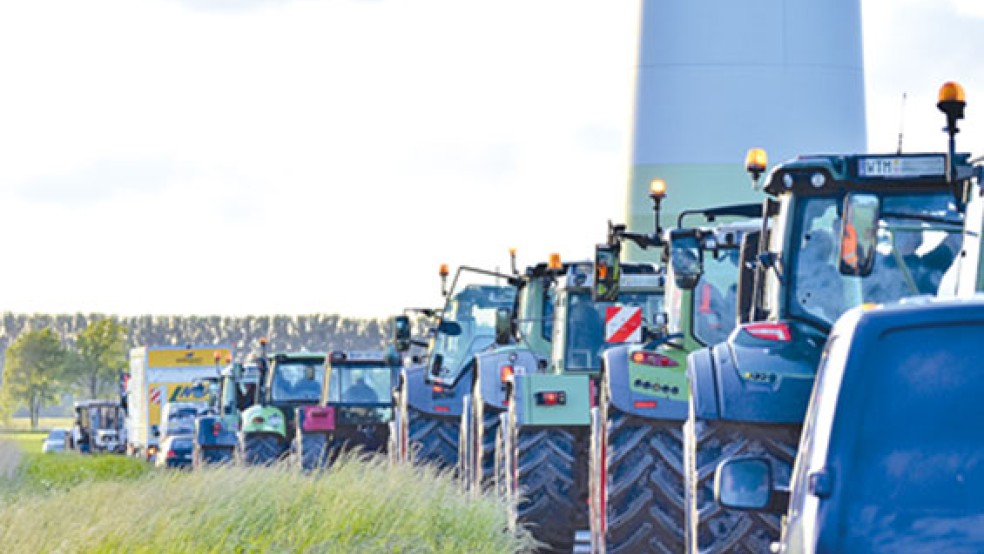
<point x="45" y="356"/>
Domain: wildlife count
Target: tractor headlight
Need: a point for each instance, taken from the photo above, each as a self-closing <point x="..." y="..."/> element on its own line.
<point x="276" y="420"/>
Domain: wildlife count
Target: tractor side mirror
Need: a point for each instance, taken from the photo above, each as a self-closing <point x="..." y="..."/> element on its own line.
<point x="607" y="271"/>
<point x="155" y="430"/>
<point x="685" y="257"/>
<point x="743" y="483"/>
<point x="401" y="333"/>
<point x="449" y="328"/>
<point x="503" y="326"/>
<point x="858" y="236"/>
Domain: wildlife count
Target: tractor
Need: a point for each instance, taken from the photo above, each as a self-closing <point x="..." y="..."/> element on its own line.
<point x="429" y="395"/>
<point x="287" y="381"/>
<point x="355" y="410"/>
<point x="844" y="230"/>
<point x="217" y="432"/>
<point x="542" y="442"/>
<point x="97" y="427"/>
<point x="523" y="341"/>
<point x="636" y="465"/>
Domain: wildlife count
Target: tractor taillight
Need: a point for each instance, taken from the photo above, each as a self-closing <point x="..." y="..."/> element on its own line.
<point x="770" y="330"/>
<point x="258" y="420"/>
<point x="442" y="409"/>
<point x="645" y="404"/>
<point x="551" y="398"/>
<point x="653" y="359"/>
<point x="217" y="428"/>
<point x="172" y="454"/>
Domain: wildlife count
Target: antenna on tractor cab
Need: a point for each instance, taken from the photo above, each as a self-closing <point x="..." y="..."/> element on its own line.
<point x="901" y="123"/>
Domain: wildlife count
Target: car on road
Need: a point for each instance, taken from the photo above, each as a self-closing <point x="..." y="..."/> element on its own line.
<point x="175" y="451"/>
<point x="55" y="441"/>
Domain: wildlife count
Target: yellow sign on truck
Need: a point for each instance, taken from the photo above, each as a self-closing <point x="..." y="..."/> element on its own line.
<point x="162" y="374"/>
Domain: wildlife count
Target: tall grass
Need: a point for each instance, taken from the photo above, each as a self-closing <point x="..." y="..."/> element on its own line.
<point x="357" y="506"/>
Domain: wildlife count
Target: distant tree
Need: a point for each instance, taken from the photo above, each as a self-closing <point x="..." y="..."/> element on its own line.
<point x="100" y="354"/>
<point x="34" y="371"/>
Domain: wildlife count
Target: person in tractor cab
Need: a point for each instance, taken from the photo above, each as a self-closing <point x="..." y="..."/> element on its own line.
<point x="360" y="391"/>
<point x="308" y="385"/>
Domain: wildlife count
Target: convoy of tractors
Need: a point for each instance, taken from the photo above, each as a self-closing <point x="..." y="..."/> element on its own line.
<point x="618" y="407"/>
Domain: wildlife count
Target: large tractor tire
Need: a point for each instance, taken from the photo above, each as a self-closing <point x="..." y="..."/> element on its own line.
<point x="645" y="484"/>
<point x="712" y="529"/>
<point x="203" y="456"/>
<point x="312" y="450"/>
<point x="550" y="472"/>
<point x="260" y="449"/>
<point x="432" y="439"/>
<point x="425" y="438"/>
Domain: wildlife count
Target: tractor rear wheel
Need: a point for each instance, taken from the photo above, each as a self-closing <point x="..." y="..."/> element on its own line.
<point x="550" y="472"/>
<point x="312" y="450"/>
<point x="645" y="484"/>
<point x="711" y="528"/>
<point x="433" y="439"/>
<point x="260" y="449"/>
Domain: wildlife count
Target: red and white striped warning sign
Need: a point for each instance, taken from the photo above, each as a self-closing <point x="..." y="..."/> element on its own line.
<point x="157" y="395"/>
<point x="623" y="324"/>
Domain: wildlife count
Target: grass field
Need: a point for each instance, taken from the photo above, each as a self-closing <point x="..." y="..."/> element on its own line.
<point x="44" y="424"/>
<point x="73" y="503"/>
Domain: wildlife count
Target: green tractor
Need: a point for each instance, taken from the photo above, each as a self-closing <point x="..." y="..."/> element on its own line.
<point x="523" y="341"/>
<point x="217" y="432"/>
<point x="429" y="396"/>
<point x="542" y="442"/>
<point x="355" y="410"/>
<point x="636" y="465"/>
<point x="845" y="230"/>
<point x="287" y="381"/>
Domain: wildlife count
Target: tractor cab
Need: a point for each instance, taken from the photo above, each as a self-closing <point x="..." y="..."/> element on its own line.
<point x="467" y="325"/>
<point x="584" y="328"/>
<point x="287" y="381"/>
<point x="355" y="408"/>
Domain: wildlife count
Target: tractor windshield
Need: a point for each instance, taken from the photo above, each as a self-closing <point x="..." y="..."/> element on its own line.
<point x="362" y="384"/>
<point x="297" y="381"/>
<point x="917" y="238"/>
<point x="473" y="310"/>
<point x="587" y="333"/>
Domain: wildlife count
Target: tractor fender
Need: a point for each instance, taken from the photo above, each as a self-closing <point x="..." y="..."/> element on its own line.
<point x="264" y="419"/>
<point x="574" y="395"/>
<point x="755" y="380"/>
<point x="492" y="390"/>
<point x="664" y="404"/>
<point x="422" y="396"/>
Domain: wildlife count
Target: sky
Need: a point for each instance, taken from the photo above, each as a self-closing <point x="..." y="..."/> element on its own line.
<point x="288" y="156"/>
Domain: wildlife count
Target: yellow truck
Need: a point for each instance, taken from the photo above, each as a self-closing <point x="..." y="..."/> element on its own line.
<point x="159" y="375"/>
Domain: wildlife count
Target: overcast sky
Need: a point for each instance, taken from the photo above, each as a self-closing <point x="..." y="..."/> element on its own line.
<point x="234" y="156"/>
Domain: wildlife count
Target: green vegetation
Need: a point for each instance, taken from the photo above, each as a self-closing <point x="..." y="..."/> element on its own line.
<point x="33" y="371"/>
<point x="357" y="506"/>
<point x="24" y="424"/>
<point x="100" y="356"/>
